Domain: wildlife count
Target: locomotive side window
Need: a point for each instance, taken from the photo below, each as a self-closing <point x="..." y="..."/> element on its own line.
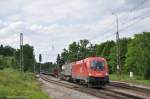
<point x="97" y="65"/>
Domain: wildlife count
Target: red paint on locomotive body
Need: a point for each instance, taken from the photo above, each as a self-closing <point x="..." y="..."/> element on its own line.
<point x="83" y="68"/>
<point x="91" y="70"/>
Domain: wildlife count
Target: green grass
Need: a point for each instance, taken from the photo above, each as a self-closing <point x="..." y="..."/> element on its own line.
<point x="126" y="78"/>
<point x="14" y="84"/>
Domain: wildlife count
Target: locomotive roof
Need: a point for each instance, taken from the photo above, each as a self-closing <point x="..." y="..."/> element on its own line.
<point x="89" y="59"/>
<point x="86" y="59"/>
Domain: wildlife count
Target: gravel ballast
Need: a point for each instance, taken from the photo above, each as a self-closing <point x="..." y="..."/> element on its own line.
<point x="60" y="92"/>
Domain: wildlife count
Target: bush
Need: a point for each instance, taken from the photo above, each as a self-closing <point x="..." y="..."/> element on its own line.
<point x="138" y="58"/>
<point x="15" y="84"/>
<point x="125" y="78"/>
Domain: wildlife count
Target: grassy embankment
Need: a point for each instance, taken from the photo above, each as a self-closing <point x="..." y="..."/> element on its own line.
<point x="126" y="78"/>
<point x="16" y="85"/>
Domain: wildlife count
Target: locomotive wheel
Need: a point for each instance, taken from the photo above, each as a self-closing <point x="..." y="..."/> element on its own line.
<point x="81" y="83"/>
<point x="88" y="85"/>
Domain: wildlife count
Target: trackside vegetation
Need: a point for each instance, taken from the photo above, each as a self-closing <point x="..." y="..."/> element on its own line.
<point x="16" y="85"/>
<point x="10" y="57"/>
<point x="125" y="78"/>
<point x="134" y="57"/>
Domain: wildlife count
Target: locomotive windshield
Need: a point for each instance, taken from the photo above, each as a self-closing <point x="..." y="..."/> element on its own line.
<point x="97" y="65"/>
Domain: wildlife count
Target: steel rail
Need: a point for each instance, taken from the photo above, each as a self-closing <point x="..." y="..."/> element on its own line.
<point x="104" y="93"/>
<point x="129" y="86"/>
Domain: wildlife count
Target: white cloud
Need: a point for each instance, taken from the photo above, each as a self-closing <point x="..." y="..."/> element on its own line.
<point x="59" y="22"/>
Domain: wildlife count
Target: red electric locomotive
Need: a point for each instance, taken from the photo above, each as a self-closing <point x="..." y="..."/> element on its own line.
<point x="92" y="71"/>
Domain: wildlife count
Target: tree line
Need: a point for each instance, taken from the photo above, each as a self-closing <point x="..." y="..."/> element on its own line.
<point x="10" y="57"/>
<point x="134" y="54"/>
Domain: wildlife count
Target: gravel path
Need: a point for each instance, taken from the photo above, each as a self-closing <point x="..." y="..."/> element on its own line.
<point x="60" y="92"/>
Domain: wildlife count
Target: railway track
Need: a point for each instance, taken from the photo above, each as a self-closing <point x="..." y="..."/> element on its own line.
<point x="129" y="86"/>
<point x="104" y="93"/>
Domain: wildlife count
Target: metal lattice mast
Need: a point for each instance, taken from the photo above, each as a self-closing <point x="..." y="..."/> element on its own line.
<point x="118" y="44"/>
<point x="21" y="53"/>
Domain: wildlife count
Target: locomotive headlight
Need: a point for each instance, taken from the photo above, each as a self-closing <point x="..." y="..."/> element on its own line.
<point x="106" y="74"/>
<point x="90" y="74"/>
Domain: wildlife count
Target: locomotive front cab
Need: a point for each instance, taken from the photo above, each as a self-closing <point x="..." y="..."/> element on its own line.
<point x="97" y="65"/>
<point x="98" y="72"/>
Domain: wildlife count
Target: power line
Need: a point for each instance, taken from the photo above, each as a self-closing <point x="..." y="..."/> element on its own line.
<point x="125" y="25"/>
<point x="137" y="19"/>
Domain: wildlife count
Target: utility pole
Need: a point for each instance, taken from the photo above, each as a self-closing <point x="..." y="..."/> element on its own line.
<point x="118" y="45"/>
<point x="21" y="53"/>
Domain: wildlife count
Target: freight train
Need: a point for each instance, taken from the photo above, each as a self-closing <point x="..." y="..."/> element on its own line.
<point x="92" y="72"/>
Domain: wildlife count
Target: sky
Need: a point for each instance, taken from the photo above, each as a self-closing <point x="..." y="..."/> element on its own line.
<point x="51" y="25"/>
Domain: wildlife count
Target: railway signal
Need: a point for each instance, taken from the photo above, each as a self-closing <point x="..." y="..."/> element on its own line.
<point x="40" y="60"/>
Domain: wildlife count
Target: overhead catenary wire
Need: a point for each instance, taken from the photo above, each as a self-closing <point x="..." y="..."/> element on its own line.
<point x="136" y="19"/>
<point x="134" y="9"/>
<point x="133" y="23"/>
<point x="108" y="33"/>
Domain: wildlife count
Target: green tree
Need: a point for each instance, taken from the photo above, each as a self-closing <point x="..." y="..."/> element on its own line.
<point x="138" y="58"/>
<point x="123" y="43"/>
<point x="1" y="50"/>
<point x="64" y="55"/>
<point x="83" y="48"/>
<point x="28" y="56"/>
<point x="91" y="51"/>
<point x="7" y="62"/>
<point x="1" y="62"/>
<point x="73" y="51"/>
<point x="6" y="50"/>
<point x="106" y="50"/>
<point x="59" y="61"/>
<point x="7" y="58"/>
